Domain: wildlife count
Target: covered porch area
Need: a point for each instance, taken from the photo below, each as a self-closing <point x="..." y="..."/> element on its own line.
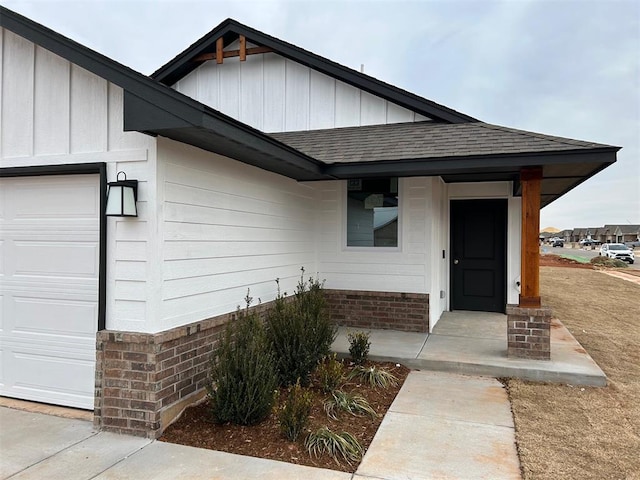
<point x="474" y="343"/>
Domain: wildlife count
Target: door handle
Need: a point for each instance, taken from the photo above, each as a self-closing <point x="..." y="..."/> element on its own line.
<point x="455" y="262"/>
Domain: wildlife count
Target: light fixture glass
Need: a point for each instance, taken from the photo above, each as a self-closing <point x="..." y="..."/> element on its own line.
<point x="121" y="197"/>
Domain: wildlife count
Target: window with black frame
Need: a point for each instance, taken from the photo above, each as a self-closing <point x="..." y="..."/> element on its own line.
<point x="372" y="212"/>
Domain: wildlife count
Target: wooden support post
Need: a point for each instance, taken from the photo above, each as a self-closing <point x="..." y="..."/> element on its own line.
<point x="531" y="179"/>
<point x="243" y="48"/>
<point x="219" y="50"/>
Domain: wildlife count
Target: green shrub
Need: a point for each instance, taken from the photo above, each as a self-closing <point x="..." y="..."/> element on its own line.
<point x="352" y="403"/>
<point x="334" y="444"/>
<point x="242" y="376"/>
<point x="294" y="415"/>
<point x="608" y="262"/>
<point x="300" y="331"/>
<point x="374" y="376"/>
<point x="359" y="347"/>
<point x="330" y="373"/>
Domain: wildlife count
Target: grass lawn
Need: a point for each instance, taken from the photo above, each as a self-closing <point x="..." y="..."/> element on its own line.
<point x="564" y="431"/>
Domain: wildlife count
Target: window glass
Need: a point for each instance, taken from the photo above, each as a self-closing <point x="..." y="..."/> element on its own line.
<point x="372" y="212"/>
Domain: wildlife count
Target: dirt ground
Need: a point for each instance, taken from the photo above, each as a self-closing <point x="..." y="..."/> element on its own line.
<point x="195" y="428"/>
<point x="564" y="431"/>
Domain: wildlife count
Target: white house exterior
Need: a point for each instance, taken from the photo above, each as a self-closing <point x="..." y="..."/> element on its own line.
<point x="222" y="208"/>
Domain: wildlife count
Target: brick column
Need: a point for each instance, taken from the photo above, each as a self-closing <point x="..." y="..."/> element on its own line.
<point x="529" y="332"/>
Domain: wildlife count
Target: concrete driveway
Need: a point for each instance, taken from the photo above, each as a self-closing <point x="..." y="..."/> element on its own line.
<point x="440" y="425"/>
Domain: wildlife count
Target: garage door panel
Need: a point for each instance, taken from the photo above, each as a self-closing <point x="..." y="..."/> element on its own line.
<point x="49" y="261"/>
<point x="39" y="315"/>
<point x="66" y="198"/>
<point x="41" y="373"/>
<point x="56" y="259"/>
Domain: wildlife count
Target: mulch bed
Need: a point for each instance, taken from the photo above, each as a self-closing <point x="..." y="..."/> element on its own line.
<point x="550" y="260"/>
<point x="195" y="427"/>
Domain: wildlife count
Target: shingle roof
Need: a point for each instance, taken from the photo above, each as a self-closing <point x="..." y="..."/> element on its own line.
<point x="408" y="141"/>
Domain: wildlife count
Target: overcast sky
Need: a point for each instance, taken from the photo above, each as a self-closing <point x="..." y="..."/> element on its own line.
<point x="566" y="68"/>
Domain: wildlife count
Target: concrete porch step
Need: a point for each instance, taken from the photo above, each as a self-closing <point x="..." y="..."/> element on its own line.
<point x="475" y="343"/>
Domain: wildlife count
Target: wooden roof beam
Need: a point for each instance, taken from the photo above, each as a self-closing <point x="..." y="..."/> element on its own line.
<point x="231" y="53"/>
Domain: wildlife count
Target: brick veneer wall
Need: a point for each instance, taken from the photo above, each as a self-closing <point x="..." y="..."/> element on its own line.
<point x="529" y="332"/>
<point x="142" y="377"/>
<point x="381" y="310"/>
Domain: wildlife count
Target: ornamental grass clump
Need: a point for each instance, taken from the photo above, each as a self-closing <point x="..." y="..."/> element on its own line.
<point x="294" y="414"/>
<point x="347" y="402"/>
<point x="242" y="375"/>
<point x="374" y="376"/>
<point x="330" y="373"/>
<point x="334" y="444"/>
<point x="359" y="347"/>
<point x="300" y="331"/>
<point x="608" y="262"/>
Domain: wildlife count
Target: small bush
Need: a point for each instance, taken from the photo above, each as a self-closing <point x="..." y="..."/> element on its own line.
<point x="374" y="376"/>
<point x="330" y="373"/>
<point x="334" y="444"/>
<point x="294" y="415"/>
<point x="300" y="331"/>
<point x="608" y="262"/>
<point x="352" y="403"/>
<point x="359" y="347"/>
<point x="242" y="375"/>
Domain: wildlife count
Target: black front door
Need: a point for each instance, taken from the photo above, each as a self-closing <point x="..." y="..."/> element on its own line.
<point x="478" y="255"/>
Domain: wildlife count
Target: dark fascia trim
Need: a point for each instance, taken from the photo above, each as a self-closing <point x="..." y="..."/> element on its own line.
<point x="154" y="116"/>
<point x="171" y="108"/>
<point x="182" y="64"/>
<point x="479" y="163"/>
<point x="79" y="169"/>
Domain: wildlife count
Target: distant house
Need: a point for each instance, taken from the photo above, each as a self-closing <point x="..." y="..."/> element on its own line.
<point x="626" y="233"/>
<point x="253" y="158"/>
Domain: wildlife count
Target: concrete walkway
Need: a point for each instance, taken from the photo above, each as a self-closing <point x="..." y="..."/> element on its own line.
<point x="475" y="343"/>
<point x="440" y="426"/>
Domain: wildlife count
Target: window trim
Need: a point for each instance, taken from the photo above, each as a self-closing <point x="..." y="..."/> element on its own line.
<point x="372" y="249"/>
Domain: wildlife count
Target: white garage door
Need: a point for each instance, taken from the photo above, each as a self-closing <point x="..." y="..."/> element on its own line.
<point x="49" y="255"/>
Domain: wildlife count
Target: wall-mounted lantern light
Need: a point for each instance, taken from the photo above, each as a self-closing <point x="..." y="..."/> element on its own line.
<point x="121" y="197"/>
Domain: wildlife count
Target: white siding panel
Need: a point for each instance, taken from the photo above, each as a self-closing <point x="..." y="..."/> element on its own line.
<point x="347" y="105"/>
<point x="1" y="81"/>
<point x="209" y="85"/>
<point x="373" y="109"/>
<point x="228" y="227"/>
<point x="398" y="114"/>
<point x="51" y="123"/>
<point x="89" y="118"/>
<point x="189" y="85"/>
<point x="296" y="97"/>
<point x="275" y="94"/>
<point x="322" y="101"/>
<point x="274" y="86"/>
<point x="17" y="96"/>
<point x="251" y="106"/>
<point x="229" y="87"/>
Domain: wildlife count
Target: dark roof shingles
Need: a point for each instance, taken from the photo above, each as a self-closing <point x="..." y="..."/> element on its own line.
<point x="407" y="141"/>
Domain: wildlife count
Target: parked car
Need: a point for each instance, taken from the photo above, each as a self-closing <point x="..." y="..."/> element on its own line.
<point x="617" y="250"/>
<point x="634" y="244"/>
<point x="586" y="242"/>
<point x="558" y="243"/>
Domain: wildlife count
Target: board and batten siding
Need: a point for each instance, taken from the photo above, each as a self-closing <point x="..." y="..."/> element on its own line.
<point x="275" y="94"/>
<point x="53" y="112"/>
<point x="227" y="229"/>
<point x="401" y="269"/>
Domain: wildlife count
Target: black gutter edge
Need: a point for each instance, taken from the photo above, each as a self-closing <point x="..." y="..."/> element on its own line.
<point x="179" y="66"/>
<point x="79" y="169"/>
<point x="451" y="164"/>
